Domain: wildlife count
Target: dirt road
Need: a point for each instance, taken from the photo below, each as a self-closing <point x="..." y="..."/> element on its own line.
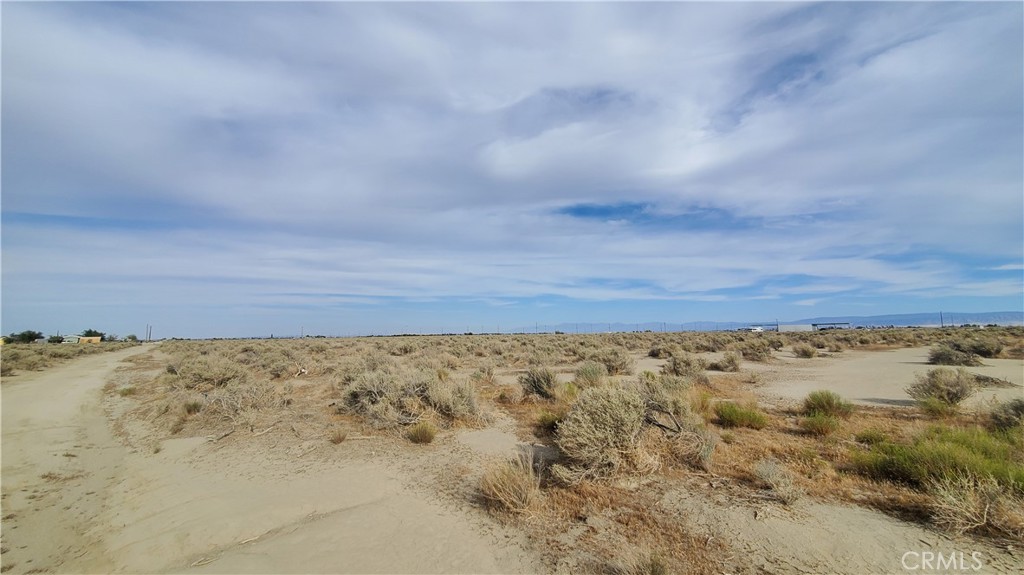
<point x="78" y="499"/>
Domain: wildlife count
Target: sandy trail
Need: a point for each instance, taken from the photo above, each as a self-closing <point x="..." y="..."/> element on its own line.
<point x="76" y="499"/>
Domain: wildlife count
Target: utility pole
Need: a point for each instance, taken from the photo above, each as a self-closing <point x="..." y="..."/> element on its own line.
<point x="942" y="322"/>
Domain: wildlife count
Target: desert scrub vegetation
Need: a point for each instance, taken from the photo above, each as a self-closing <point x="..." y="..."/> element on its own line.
<point x="804" y="350"/>
<point x="512" y="485"/>
<point x="35" y="356"/>
<point x="730" y="362"/>
<point x="684" y="364"/>
<point x="590" y="373"/>
<point x="731" y="414"/>
<point x="826" y="402"/>
<point x="539" y="381"/>
<point x="600" y="434"/>
<point x="390" y="398"/>
<point x="946" y="354"/>
<point x="942" y="451"/>
<point x="962" y="502"/>
<point x="941" y="390"/>
<point x="779" y="480"/>
<point x="421" y="432"/>
<point x="820" y="424"/>
<point x="616" y="360"/>
<point x="1008" y="415"/>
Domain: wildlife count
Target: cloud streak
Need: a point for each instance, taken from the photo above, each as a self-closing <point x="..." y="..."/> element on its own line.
<point x="352" y="154"/>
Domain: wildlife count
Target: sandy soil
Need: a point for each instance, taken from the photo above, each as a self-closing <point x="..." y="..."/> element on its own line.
<point x="77" y="499"/>
<point x="872" y="377"/>
<point x="88" y="489"/>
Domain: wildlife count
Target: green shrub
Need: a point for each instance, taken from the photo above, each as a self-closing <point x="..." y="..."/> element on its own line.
<point x="820" y="424"/>
<point x="942" y="386"/>
<point x="804" y="350"/>
<point x="421" y="432"/>
<point x="827" y="403"/>
<point x="732" y="415"/>
<point x="539" y="381"/>
<point x="1008" y="415"/>
<point x="945" y="354"/>
<point x="590" y="373"/>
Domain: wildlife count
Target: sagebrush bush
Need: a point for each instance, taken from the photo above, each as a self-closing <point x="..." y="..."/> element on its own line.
<point x="400" y="397"/>
<point x="590" y="373"/>
<point x="755" y="350"/>
<point x="539" y="381"/>
<point x="827" y="403"/>
<point x="1008" y="415"/>
<point x="820" y="424"/>
<point x="616" y="360"/>
<point x="804" y="350"/>
<point x="733" y="415"/>
<point x="512" y="485"/>
<point x="601" y="432"/>
<point x="945" y="354"/>
<point x="684" y="364"/>
<point x="730" y="362"/>
<point x="944" y="385"/>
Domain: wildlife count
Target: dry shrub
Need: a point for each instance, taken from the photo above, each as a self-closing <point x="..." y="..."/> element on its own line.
<point x="205" y="372"/>
<point x="337" y="436"/>
<point x="943" y="385"/>
<point x="684" y="364"/>
<point x="804" y="350"/>
<point x="962" y="502"/>
<point x="512" y="485"/>
<point x="638" y="561"/>
<point x="729" y="362"/>
<point x="591" y="373"/>
<point x="1008" y="415"/>
<point x="946" y="354"/>
<point x="755" y="350"/>
<point x="616" y="360"/>
<point x="600" y="434"/>
<point x="511" y="394"/>
<point x="539" y="381"/>
<point x="779" y="479"/>
<point x="391" y="398"/>
<point x="693" y="446"/>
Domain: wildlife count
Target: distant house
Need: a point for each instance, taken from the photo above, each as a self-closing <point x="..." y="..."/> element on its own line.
<point x="70" y="339"/>
<point x="795" y="327"/>
<point x="96" y="339"/>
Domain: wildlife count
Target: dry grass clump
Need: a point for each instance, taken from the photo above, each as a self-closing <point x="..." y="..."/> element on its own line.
<point x="206" y="372"/>
<point x="421" y="432"/>
<point x="34" y="356"/>
<point x="779" y="479"/>
<point x="941" y="390"/>
<point x="638" y="562"/>
<point x="805" y="351"/>
<point x="757" y="350"/>
<point x="946" y="354"/>
<point x="729" y="362"/>
<point x="512" y="485"/>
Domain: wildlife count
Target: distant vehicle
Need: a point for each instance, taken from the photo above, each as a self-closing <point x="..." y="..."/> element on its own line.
<point x="757" y="329"/>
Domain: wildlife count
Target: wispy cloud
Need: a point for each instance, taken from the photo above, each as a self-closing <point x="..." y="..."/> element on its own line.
<point x="350" y="156"/>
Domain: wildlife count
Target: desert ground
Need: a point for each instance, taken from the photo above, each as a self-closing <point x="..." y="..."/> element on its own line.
<point x="266" y="457"/>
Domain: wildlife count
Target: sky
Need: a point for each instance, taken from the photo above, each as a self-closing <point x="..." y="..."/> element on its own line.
<point x="247" y="169"/>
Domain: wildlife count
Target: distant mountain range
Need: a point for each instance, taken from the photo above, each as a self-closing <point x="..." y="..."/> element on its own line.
<point x="898" y="320"/>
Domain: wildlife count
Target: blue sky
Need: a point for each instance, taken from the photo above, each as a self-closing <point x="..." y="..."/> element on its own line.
<point x="242" y="169"/>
